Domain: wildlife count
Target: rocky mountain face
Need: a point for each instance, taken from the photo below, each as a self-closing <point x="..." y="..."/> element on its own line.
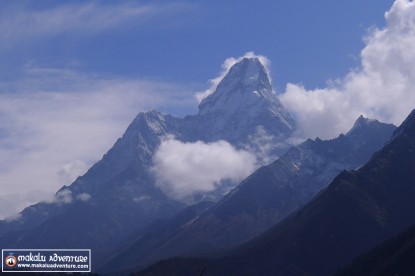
<point x="118" y="195"/>
<point x="357" y="211"/>
<point x="267" y="196"/>
<point x="244" y="100"/>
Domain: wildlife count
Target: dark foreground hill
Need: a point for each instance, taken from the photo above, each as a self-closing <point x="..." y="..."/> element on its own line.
<point x="393" y="257"/>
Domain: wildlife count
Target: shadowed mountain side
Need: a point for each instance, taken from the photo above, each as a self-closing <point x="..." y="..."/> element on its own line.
<point x="268" y="195"/>
<point x="393" y="257"/>
<point x="358" y="210"/>
<point x="119" y="195"/>
<point x="152" y="236"/>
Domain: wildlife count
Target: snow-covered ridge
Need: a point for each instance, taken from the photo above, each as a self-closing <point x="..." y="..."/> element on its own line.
<point x="246" y="86"/>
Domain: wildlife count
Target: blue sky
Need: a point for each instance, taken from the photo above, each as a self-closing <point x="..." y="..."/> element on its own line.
<point x="307" y="41"/>
<point x="73" y="74"/>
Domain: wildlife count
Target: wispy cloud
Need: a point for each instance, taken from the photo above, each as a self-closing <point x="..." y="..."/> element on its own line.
<point x="382" y="88"/>
<point x="54" y="124"/>
<point x="11" y="203"/>
<point x="20" y="20"/>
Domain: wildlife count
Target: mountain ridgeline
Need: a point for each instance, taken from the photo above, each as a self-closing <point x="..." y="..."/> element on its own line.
<point x="264" y="198"/>
<point x="357" y="211"/>
<point x="283" y="219"/>
<point x="118" y="195"/>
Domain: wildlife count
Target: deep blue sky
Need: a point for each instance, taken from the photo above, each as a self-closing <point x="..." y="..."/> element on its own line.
<point x="307" y="42"/>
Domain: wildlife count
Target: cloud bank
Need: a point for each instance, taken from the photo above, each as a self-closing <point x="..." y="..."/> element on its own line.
<point x="382" y="88"/>
<point x="226" y="65"/>
<point x="183" y="169"/>
<point x="56" y="123"/>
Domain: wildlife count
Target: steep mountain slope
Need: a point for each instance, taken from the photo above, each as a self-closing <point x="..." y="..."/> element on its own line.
<point x="151" y="237"/>
<point x="243" y="101"/>
<point x="268" y="195"/>
<point x="118" y="195"/>
<point x="358" y="210"/>
<point x="393" y="257"/>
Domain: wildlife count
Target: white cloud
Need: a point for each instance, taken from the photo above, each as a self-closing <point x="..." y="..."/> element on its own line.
<point x="83" y="197"/>
<point x="12" y="203"/>
<point x="71" y="171"/>
<point x="183" y="169"/>
<point x="226" y="65"/>
<point x="21" y="21"/>
<point x="63" y="197"/>
<point x="13" y="217"/>
<point x="382" y="88"/>
<point x="263" y="145"/>
<point x="57" y="123"/>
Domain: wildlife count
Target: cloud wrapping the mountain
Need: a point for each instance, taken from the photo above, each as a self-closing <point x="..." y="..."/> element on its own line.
<point x="13" y="202"/>
<point x="382" y="88"/>
<point x="57" y="123"/>
<point x="183" y="169"/>
<point x="71" y="171"/>
<point x="83" y="197"/>
<point x="262" y="145"/>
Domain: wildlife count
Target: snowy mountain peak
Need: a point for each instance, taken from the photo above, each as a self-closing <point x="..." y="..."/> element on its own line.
<point x="251" y="72"/>
<point x="365" y="127"/>
<point x="361" y="123"/>
<point x="246" y="85"/>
